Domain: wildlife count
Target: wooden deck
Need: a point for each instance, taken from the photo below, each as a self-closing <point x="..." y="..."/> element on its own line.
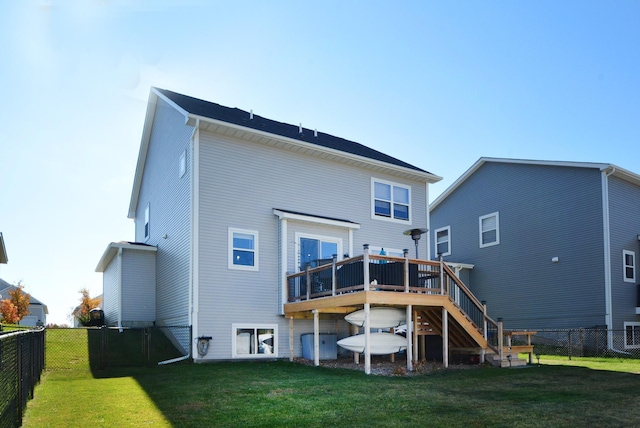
<point x="436" y="301"/>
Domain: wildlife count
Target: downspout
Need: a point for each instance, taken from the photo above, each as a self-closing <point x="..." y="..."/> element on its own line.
<point x="607" y="253"/>
<point x="120" y="276"/>
<point x="194" y="267"/>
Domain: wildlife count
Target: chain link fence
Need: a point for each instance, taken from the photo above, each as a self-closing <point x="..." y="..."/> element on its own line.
<point x="95" y="348"/>
<point x="585" y="342"/>
<point x="21" y="363"/>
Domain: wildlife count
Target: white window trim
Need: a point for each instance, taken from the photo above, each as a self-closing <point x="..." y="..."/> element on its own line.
<point x="182" y="164"/>
<point x="631" y="324"/>
<point x="234" y="329"/>
<point x="497" y="241"/>
<point x="625" y="253"/>
<point x="324" y="238"/>
<point x="435" y="239"/>
<point x="256" y="247"/>
<point x="373" y="201"/>
<point x="146" y="229"/>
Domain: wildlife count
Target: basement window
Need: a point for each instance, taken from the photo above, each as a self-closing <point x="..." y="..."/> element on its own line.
<point x="632" y="335"/>
<point x="255" y="341"/>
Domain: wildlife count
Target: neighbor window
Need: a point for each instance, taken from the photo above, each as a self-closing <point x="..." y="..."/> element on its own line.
<point x="255" y="341"/>
<point x="391" y="201"/>
<point x="443" y="241"/>
<point x="183" y="163"/>
<point x="146" y="222"/>
<point x="629" y="260"/>
<point x="243" y="249"/>
<point x="632" y="335"/>
<point x="489" y="230"/>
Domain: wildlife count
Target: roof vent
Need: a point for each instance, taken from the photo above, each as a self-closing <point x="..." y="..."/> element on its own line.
<point x="251" y="114"/>
<point x="315" y="133"/>
<point x="300" y="129"/>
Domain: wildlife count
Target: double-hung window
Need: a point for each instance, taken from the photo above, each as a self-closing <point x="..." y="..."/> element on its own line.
<point x="243" y="249"/>
<point x="629" y="260"/>
<point x="443" y="241"/>
<point x="390" y="201"/>
<point x="489" y="230"/>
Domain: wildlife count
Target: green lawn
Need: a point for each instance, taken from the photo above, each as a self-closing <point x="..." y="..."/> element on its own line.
<point x="284" y="394"/>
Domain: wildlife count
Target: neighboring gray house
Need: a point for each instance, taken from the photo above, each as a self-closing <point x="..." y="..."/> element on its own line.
<point x="553" y="244"/>
<point x="38" y="311"/>
<point x="226" y="203"/>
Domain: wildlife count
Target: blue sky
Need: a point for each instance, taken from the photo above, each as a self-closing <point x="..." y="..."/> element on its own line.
<point x="437" y="84"/>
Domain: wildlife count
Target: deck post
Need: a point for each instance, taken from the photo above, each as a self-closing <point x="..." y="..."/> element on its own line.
<point x="334" y="277"/>
<point x="308" y="276"/>
<point x="290" y="338"/>
<point x="484" y="330"/>
<point x="367" y="338"/>
<point x="441" y="275"/>
<point x="406" y="270"/>
<point x="316" y="338"/>
<point x="365" y="264"/>
<point x="410" y="338"/>
<point x="416" y="341"/>
<point x="500" y="339"/>
<point x="445" y="338"/>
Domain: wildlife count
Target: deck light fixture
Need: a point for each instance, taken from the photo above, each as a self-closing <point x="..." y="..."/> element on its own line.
<point x="415" y="235"/>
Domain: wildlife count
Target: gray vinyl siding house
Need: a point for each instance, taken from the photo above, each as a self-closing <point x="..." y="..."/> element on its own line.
<point x="229" y="198"/>
<point x="557" y="249"/>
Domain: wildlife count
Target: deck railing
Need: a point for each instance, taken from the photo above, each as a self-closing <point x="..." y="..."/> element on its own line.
<point x="393" y="274"/>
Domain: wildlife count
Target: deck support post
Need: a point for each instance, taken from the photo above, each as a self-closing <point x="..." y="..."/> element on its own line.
<point x="316" y="338"/>
<point x="414" y="329"/>
<point x="410" y="338"/>
<point x="290" y="338"/>
<point x="500" y="339"/>
<point x="445" y="338"/>
<point x="367" y="336"/>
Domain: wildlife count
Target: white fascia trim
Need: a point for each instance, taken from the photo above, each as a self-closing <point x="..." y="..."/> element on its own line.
<point x="429" y="177"/>
<point x="607" y="252"/>
<point x="316" y="220"/>
<point x="112" y="250"/>
<point x="483" y="160"/>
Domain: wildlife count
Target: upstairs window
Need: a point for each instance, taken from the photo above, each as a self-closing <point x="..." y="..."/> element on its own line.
<point x="629" y="260"/>
<point x="391" y="201"/>
<point x="146" y="222"/>
<point x="182" y="164"/>
<point x="243" y="249"/>
<point x="443" y="241"/>
<point x="489" y="230"/>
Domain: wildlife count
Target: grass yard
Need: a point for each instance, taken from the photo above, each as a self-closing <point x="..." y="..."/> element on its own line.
<point x="283" y="394"/>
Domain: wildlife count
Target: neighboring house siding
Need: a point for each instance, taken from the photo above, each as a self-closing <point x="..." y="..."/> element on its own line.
<point x="624" y="200"/>
<point x="111" y="291"/>
<point x="240" y="185"/>
<point x="544" y="212"/>
<point x="138" y="288"/>
<point x="168" y="196"/>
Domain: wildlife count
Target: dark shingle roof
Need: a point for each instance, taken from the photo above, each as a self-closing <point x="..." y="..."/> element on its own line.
<point x="242" y="118"/>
